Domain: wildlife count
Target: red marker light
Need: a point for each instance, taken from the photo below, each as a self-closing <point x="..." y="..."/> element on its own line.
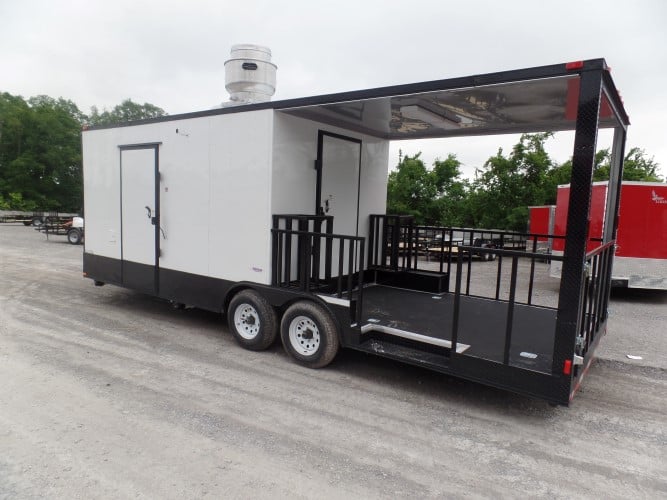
<point x="567" y="367"/>
<point x="574" y="65"/>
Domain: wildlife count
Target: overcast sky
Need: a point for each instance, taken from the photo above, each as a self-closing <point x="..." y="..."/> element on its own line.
<point x="172" y="53"/>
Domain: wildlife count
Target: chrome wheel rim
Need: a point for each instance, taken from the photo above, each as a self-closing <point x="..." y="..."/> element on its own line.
<point x="304" y="336"/>
<point x="246" y="320"/>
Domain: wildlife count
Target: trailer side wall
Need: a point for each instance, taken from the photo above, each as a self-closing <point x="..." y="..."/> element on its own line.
<point x="214" y="193"/>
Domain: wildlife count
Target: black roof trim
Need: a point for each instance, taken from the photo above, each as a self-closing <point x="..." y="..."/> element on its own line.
<point x="534" y="73"/>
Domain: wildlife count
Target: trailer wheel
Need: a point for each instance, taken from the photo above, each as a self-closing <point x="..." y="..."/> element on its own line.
<point x="37" y="221"/>
<point x="252" y="320"/>
<point x="309" y="334"/>
<point x="74" y="236"/>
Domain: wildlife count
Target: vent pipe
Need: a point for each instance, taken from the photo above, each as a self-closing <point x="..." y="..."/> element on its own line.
<point x="250" y="76"/>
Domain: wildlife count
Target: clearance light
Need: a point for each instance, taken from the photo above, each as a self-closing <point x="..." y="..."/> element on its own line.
<point x="574" y="65"/>
<point x="567" y="367"/>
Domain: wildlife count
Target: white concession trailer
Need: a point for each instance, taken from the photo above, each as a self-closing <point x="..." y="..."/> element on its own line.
<point x="274" y="213"/>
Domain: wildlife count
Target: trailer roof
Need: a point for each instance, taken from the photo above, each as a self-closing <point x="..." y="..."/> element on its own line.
<point x="537" y="99"/>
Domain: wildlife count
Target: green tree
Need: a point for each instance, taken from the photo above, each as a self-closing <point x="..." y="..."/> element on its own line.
<point x="636" y="166"/>
<point x="410" y="189"/>
<point x="448" y="209"/>
<point x="506" y="185"/>
<point x="40" y="153"/>
<point x="431" y="196"/>
<point x="124" y="112"/>
<point x="40" y="149"/>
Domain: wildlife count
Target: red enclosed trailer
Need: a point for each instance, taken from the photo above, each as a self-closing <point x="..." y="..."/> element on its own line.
<point x="641" y="244"/>
<point x="541" y="224"/>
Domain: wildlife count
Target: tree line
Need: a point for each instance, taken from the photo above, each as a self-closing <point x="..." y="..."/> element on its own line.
<point x="40" y="149"/>
<point x="503" y="188"/>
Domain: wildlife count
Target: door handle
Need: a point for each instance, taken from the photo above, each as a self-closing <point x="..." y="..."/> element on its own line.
<point x="154" y="221"/>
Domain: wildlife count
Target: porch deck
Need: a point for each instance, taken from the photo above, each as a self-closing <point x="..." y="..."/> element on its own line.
<point x="408" y="314"/>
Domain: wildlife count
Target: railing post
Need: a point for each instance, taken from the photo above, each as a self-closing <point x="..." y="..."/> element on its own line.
<point x="360" y="285"/>
<point x="371" y="239"/>
<point x="510" y="312"/>
<point x="328" y="248"/>
<point x="395" y="234"/>
<point x="457" y="305"/>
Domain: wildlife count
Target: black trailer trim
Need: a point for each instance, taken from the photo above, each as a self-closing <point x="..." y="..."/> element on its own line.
<point x="155" y="146"/>
<point x="143" y="145"/>
<point x="535" y="73"/>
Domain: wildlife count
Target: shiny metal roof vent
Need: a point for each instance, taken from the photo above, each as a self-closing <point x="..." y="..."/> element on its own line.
<point x="250" y="76"/>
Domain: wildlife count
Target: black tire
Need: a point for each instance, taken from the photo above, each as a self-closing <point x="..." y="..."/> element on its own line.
<point x="27" y="222"/>
<point x="252" y="320"/>
<point x="37" y="221"/>
<point x="74" y="236"/>
<point x="309" y="334"/>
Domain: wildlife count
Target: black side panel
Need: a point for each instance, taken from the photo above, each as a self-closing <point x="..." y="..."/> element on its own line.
<point x="192" y="289"/>
<point x="139" y="277"/>
<point x="423" y="281"/>
<point x="103" y="269"/>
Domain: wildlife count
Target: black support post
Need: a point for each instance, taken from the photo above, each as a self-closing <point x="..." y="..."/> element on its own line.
<point x="571" y="295"/>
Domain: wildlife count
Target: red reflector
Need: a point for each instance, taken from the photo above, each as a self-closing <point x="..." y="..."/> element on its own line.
<point x="574" y="65"/>
<point x="567" y="367"/>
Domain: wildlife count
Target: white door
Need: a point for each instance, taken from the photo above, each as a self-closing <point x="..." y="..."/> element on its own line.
<point x="339" y="163"/>
<point x="339" y="187"/>
<point x="139" y="217"/>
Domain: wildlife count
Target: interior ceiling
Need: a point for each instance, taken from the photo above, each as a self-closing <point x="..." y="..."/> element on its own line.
<point x="528" y="106"/>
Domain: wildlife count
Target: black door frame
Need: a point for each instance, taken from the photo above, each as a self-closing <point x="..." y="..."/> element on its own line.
<point x="155" y="220"/>
<point x="321" y="134"/>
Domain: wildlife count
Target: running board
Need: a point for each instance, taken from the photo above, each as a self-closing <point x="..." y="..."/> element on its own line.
<point x="417" y="337"/>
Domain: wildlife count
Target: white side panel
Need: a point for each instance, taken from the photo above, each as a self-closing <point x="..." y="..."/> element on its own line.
<point x="373" y="181"/>
<point x="101" y="175"/>
<point x="138" y="192"/>
<point x="294" y="175"/>
<point x="214" y="192"/>
<point x="638" y="273"/>
<point x="240" y="193"/>
<point x="641" y="273"/>
<point x="185" y="195"/>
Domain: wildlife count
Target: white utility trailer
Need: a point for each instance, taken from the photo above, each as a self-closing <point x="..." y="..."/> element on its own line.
<point x="274" y="213"/>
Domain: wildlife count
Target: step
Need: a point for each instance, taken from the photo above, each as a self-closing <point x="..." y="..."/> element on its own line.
<point x="404" y="353"/>
<point x="417" y="337"/>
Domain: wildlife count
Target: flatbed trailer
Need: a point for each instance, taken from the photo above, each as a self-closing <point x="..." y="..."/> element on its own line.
<point x="32" y="218"/>
<point x="273" y="214"/>
<point x="72" y="227"/>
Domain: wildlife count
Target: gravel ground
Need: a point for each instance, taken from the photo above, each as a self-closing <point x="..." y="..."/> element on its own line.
<point x="105" y="393"/>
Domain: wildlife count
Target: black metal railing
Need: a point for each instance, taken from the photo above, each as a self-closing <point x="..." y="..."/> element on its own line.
<point x="390" y="241"/>
<point x="317" y="261"/>
<point x="397" y="243"/>
<point x="511" y="301"/>
<point x="597" y="285"/>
